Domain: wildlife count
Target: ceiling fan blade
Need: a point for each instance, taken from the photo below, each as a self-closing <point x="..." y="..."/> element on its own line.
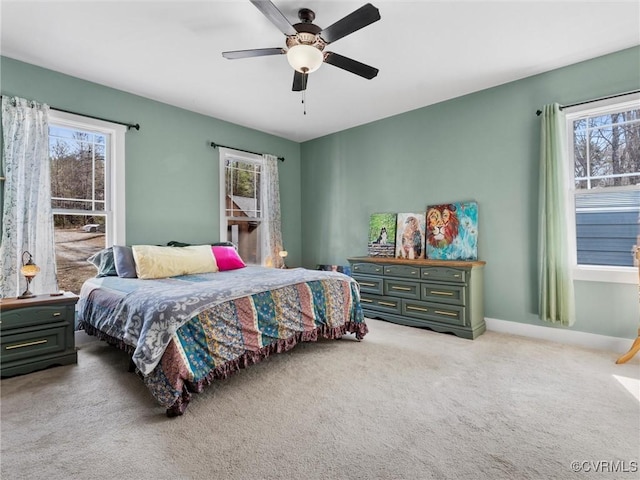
<point x="350" y="65"/>
<point x="256" y="52"/>
<point x="275" y="16"/>
<point x="299" y="81"/>
<point x="365" y="15"/>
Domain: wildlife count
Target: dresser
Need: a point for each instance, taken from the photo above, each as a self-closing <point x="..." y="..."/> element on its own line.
<point x="36" y="333"/>
<point x="443" y="295"/>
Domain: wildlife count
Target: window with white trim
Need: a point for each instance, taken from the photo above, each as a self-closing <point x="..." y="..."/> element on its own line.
<point x="87" y="192"/>
<point x="241" y="203"/>
<point x="604" y="190"/>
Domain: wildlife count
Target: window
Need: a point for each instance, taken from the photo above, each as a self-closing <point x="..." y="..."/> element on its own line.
<point x="241" y="203"/>
<point x="604" y="192"/>
<point x="87" y="192"/>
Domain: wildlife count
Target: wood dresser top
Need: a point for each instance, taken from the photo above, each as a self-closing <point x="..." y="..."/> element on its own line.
<point x="11" y="303"/>
<point x="418" y="262"/>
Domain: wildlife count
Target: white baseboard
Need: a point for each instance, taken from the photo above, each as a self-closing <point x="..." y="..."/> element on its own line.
<point x="572" y="337"/>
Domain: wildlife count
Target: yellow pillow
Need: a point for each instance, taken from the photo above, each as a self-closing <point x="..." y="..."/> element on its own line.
<point x="163" y="262"/>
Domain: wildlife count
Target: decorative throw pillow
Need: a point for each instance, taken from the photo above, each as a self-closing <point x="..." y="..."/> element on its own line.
<point x="162" y="262"/>
<point x="125" y="264"/>
<point x="103" y="261"/>
<point x="227" y="258"/>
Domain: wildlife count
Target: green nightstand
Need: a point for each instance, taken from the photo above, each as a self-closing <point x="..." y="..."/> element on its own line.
<point x="36" y="333"/>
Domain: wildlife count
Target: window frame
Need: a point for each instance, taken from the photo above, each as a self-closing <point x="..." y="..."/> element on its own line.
<point x="593" y="273"/>
<point x="115" y="232"/>
<point x="224" y="155"/>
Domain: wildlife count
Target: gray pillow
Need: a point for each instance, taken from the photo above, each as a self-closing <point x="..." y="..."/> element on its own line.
<point x="123" y="259"/>
<point x="104" y="262"/>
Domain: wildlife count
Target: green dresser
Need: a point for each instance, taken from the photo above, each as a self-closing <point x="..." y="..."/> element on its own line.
<point x="445" y="296"/>
<point x="36" y="333"/>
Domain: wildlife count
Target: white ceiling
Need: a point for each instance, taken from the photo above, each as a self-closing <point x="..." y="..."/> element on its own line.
<point x="426" y="51"/>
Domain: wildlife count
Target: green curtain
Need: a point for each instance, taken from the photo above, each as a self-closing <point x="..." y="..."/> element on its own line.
<point x="557" y="300"/>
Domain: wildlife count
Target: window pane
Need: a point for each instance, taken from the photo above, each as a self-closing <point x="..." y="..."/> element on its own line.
<point x="77" y="237"/>
<point x="78" y="169"/>
<point x="243" y="189"/>
<point x="246" y="235"/>
<point x="607" y="226"/>
<point x="580" y="153"/>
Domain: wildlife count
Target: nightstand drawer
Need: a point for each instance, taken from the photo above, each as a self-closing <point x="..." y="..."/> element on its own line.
<point x="402" y="271"/>
<point x="365" y="268"/>
<point x="450" y="314"/>
<point x="24" y="317"/>
<point x="382" y="304"/>
<point x="400" y="288"/>
<point x="433" y="292"/>
<point x="32" y="343"/>
<point x="446" y="274"/>
<point x="369" y="284"/>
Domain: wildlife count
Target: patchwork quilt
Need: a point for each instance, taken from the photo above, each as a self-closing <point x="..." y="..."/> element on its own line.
<point x="184" y="332"/>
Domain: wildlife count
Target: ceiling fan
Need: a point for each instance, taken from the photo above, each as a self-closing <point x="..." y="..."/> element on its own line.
<point x="306" y="42"/>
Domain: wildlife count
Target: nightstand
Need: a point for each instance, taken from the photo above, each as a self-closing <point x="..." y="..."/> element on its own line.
<point x="36" y="333"/>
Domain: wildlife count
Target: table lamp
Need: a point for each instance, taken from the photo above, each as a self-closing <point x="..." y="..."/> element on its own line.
<point x="29" y="270"/>
<point x="283" y="254"/>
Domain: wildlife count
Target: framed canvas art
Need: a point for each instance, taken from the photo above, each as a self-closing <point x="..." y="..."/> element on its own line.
<point x="452" y="231"/>
<point x="410" y="234"/>
<point x="382" y="235"/>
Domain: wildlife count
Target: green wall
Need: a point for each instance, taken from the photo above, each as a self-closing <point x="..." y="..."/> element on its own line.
<point x="172" y="187"/>
<point x="484" y="147"/>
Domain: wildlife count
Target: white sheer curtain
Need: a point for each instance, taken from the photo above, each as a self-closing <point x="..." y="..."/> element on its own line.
<point x="27" y="221"/>
<point x="272" y="236"/>
<point x="556" y="300"/>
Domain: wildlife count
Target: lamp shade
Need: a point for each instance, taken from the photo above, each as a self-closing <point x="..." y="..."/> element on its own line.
<point x="305" y="58"/>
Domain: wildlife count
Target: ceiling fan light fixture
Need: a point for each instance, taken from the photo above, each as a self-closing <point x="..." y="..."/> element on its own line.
<point x="305" y="58"/>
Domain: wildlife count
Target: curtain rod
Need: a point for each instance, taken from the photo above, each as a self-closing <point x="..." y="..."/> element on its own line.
<point x="562" y="107"/>
<point x="216" y="145"/>
<point x="128" y="125"/>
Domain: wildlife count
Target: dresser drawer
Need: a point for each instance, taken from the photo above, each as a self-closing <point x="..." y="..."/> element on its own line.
<point x="446" y="274"/>
<point x="402" y="271"/>
<point x="30" y="343"/>
<point x="370" y="268"/>
<point x="369" y="284"/>
<point x="401" y="288"/>
<point x="443" y="293"/>
<point x="382" y="304"/>
<point x="25" y="317"/>
<point x="450" y="314"/>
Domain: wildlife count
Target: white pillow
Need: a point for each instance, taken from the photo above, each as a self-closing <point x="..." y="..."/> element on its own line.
<point x="163" y="262"/>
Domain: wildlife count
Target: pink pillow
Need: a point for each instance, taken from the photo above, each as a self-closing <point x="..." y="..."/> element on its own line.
<point x="227" y="258"/>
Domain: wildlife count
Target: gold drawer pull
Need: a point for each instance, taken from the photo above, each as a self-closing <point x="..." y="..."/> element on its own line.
<point x="28" y="344"/>
<point x="457" y="275"/>
<point x="356" y="268"/>
<point x="366" y="300"/>
<point x="406" y="289"/>
<point x="377" y="269"/>
<point x="413" y="273"/>
<point x="436" y="292"/>
<point x="420" y="309"/>
<point x="57" y="314"/>
<point x="439" y="312"/>
<point x="367" y="284"/>
<point x="388" y="304"/>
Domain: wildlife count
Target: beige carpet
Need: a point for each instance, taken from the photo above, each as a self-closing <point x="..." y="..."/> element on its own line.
<point x="404" y="403"/>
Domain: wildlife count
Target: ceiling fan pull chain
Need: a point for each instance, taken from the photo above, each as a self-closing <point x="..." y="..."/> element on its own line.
<point x="304" y="103"/>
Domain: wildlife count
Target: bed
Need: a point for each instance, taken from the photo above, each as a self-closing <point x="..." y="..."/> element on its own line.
<point x="185" y="332"/>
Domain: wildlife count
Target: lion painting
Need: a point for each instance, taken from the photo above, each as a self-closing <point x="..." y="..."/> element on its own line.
<point x="442" y="225"/>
